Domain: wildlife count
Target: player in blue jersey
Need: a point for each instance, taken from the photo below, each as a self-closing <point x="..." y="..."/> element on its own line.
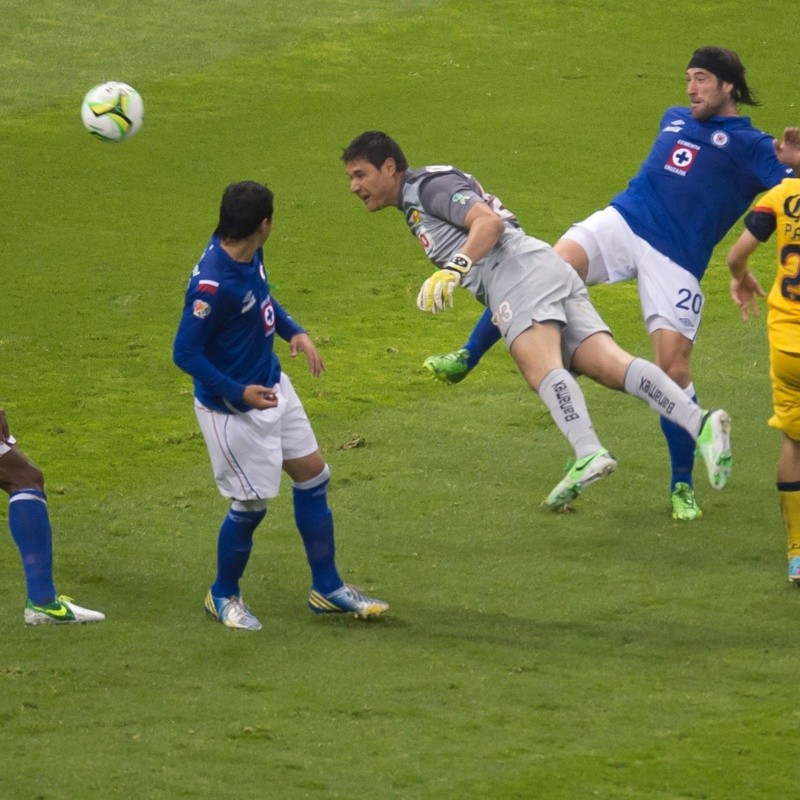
<point x="705" y="167"/>
<point x="29" y="521"/>
<point x="541" y="306"/>
<point x="252" y="420"/>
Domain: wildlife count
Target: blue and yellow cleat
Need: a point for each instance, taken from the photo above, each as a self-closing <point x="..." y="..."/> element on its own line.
<point x="62" y="611"/>
<point x="794" y="570"/>
<point x="232" y="612"/>
<point x="346" y="600"/>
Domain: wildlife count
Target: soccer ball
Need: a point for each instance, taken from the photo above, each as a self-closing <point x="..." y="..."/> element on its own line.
<point x="112" y="111"/>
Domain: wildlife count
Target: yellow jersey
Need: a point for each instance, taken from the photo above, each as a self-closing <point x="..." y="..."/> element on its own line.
<point x="779" y="210"/>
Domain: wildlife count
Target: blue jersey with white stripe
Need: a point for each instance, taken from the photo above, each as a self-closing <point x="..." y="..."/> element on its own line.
<point x="227" y="329"/>
<point x="698" y="179"/>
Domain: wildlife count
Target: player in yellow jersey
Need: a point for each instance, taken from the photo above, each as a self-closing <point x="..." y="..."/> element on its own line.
<point x="779" y="211"/>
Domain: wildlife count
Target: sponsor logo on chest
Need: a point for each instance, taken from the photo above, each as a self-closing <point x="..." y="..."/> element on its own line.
<point x="682" y="157"/>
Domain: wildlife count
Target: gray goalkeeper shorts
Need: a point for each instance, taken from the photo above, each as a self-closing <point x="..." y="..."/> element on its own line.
<point x="527" y="282"/>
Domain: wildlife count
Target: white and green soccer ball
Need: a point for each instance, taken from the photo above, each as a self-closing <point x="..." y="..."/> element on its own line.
<point x="112" y="111"/>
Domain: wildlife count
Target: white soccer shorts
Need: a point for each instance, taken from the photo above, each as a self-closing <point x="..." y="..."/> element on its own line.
<point x="670" y="296"/>
<point x="247" y="450"/>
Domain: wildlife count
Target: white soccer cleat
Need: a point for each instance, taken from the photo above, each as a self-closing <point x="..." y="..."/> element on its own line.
<point x="61" y="611"/>
<point x="346" y="600"/>
<point x="581" y="474"/>
<point x="232" y="612"/>
<point x="714" y="446"/>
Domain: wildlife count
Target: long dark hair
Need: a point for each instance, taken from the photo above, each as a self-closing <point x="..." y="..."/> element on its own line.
<point x="728" y="67"/>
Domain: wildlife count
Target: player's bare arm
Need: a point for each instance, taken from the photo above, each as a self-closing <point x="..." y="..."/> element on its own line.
<point x="745" y="288"/>
<point x="302" y="343"/>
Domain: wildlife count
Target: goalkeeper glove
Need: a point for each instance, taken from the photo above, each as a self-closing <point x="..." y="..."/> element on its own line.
<point x="437" y="292"/>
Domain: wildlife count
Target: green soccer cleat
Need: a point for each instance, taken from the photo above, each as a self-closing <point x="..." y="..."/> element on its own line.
<point x="714" y="446"/>
<point x="684" y="503"/>
<point x="581" y="474"/>
<point x="449" y="367"/>
<point x="232" y="612"/>
<point x="346" y="600"/>
<point x="62" y="611"/>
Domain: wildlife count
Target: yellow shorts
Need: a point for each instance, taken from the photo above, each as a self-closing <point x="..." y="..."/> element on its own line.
<point x="784" y="372"/>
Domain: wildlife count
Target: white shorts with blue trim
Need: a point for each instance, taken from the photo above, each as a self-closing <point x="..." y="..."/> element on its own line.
<point x="247" y="450"/>
<point x="670" y="296"/>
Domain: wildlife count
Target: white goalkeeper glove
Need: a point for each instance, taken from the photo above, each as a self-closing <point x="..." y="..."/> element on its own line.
<point x="437" y="292"/>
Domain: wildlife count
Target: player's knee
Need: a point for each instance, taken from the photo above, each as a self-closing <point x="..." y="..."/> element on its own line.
<point x="252" y="506"/>
<point x="600" y="358"/>
<point x="323" y="477"/>
<point x="36" y="479"/>
<point x="574" y="254"/>
<point x="679" y="372"/>
<point x="675" y="362"/>
<point x="23" y="475"/>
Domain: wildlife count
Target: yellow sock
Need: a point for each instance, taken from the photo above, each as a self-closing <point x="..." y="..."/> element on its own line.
<point x="789" y="497"/>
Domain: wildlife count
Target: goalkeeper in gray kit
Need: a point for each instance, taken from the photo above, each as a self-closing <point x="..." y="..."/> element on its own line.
<point x="539" y="303"/>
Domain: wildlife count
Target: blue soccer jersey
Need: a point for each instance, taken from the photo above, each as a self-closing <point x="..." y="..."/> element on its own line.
<point x="698" y="179"/>
<point x="227" y="330"/>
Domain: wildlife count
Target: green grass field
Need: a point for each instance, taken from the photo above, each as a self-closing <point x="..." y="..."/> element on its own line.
<point x="611" y="653"/>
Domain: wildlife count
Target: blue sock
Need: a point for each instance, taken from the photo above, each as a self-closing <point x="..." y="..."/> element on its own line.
<point x="233" y="550"/>
<point x="31" y="531"/>
<point x="484" y="336"/>
<point x="315" y="522"/>
<point x="681" y="452"/>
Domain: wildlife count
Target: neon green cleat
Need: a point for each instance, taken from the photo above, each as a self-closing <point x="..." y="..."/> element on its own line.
<point x="581" y="474"/>
<point x="61" y="611"/>
<point x="449" y="367"/>
<point x="714" y="445"/>
<point x="684" y="503"/>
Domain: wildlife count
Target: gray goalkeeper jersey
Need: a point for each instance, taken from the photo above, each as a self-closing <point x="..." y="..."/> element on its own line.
<point x="521" y="278"/>
<point x="435" y="200"/>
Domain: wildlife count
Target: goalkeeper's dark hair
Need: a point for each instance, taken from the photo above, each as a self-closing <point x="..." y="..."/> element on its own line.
<point x="728" y="67"/>
<point x="375" y="147"/>
<point x="245" y="205"/>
